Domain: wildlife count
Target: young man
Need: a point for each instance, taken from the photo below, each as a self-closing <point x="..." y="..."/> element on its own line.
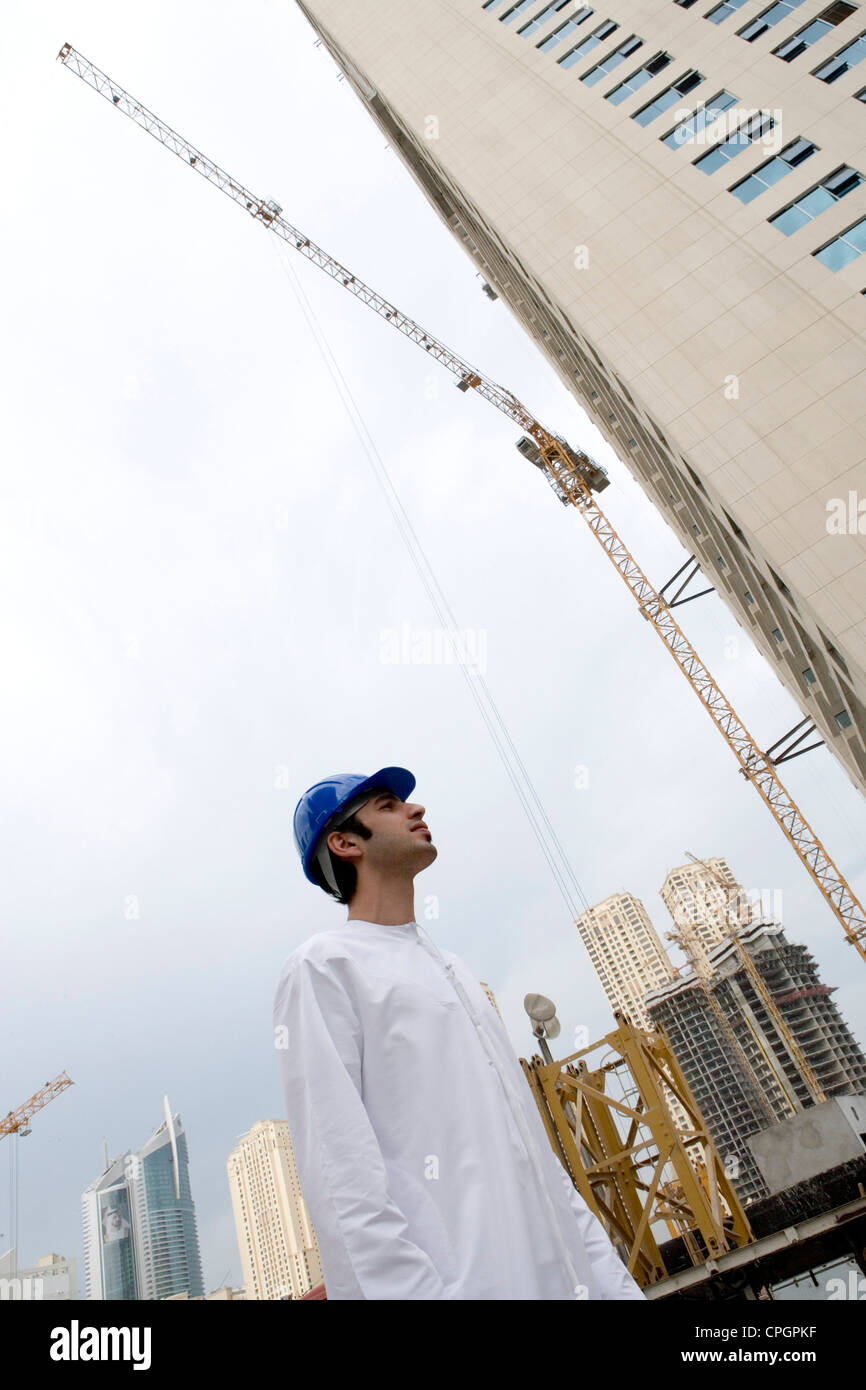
<point x="422" y="1157"/>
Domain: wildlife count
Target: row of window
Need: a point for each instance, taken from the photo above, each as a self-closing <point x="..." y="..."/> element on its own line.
<point x="838" y="252"/>
<point x="803" y="39"/>
<point x="829" y="71"/>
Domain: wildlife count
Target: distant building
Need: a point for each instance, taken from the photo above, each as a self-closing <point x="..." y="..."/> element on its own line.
<point x="630" y="961"/>
<point x="627" y="953"/>
<point x="277" y="1243"/>
<point x="140" y="1237"/>
<point x="51" y="1279"/>
<point x="703" y="909"/>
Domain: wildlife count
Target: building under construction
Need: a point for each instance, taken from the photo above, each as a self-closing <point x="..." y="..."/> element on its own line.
<point x="743" y="1090"/>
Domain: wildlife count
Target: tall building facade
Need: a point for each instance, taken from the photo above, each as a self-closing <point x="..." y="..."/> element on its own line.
<point x="630" y="962"/>
<point x="670" y="198"/>
<point x="140" y="1236"/>
<point x="277" y="1243"/>
<point x="746" y="1086"/>
<point x="626" y="952"/>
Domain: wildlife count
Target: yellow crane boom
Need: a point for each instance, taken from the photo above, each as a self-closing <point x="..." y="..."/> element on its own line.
<point x="572" y="474"/>
<point x="18" y="1121"/>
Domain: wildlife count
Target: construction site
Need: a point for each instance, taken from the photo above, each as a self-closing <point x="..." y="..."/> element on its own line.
<point x="717" y="1126"/>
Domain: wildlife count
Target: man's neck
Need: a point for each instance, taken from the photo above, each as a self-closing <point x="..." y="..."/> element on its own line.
<point x="390" y="904"/>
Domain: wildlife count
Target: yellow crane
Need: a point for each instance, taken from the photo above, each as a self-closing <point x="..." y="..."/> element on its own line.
<point x="732" y="932"/>
<point x="17" y="1122"/>
<point x="571" y="473"/>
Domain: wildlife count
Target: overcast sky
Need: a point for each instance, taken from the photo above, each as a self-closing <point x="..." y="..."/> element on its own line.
<point x="198" y="568"/>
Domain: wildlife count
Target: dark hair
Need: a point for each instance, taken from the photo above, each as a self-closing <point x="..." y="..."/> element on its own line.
<point x="345" y="873"/>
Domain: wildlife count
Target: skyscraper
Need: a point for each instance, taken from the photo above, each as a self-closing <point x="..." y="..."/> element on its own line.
<point x="676" y="213"/>
<point x="140" y="1237"/>
<point x="277" y="1243"/>
<point x="626" y="952"/>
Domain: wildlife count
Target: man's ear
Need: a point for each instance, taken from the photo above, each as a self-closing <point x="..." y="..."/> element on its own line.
<point x="345" y="846"/>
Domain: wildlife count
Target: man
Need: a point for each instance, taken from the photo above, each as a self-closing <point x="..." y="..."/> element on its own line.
<point x="422" y="1157"/>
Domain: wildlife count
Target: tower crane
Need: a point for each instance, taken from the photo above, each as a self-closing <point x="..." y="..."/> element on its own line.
<point x="759" y="984"/>
<point x="571" y="473"/>
<point x="17" y="1122"/>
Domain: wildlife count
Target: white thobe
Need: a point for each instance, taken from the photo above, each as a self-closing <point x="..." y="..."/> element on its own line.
<point x="422" y="1156"/>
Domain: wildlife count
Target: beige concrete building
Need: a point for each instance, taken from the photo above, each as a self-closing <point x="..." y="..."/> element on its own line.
<point x="279" y="1253"/>
<point x="630" y="962"/>
<point x="704" y="912"/>
<point x="669" y="196"/>
<point x="626" y="952"/>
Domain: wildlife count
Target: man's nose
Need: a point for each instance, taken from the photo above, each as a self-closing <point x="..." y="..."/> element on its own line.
<point x="416" y="812"/>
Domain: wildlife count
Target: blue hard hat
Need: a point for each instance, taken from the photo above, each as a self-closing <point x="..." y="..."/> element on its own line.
<point x="320" y="803"/>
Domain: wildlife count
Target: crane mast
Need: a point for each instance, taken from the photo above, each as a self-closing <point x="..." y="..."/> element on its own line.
<point x="571" y="473"/>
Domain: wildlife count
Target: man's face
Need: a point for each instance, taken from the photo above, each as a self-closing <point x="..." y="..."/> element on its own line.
<point x="400" y="841"/>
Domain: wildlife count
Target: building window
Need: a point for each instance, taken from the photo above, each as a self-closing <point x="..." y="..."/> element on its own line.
<point x="753" y="129"/>
<point x="638" y="79"/>
<point x="721" y="562"/>
<point x="804" y="38"/>
<point x="613" y="60"/>
<point x="685" y="4"/>
<point x="591" y="41"/>
<point x="775" y="169"/>
<point x="778" y="634"/>
<point x="724" y="11"/>
<point x="809" y="676"/>
<point x="844" y="248"/>
<point x="843" y="61"/>
<point x="843" y="719"/>
<point x="564" y="30"/>
<point x="685" y="132"/>
<point x="527" y="30"/>
<point x="767" y="19"/>
<point x="811" y="204"/>
<point x="514" y="10"/>
<point x="668" y="97"/>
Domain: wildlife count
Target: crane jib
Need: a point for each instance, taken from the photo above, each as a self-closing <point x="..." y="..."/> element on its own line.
<point x="574" y="477"/>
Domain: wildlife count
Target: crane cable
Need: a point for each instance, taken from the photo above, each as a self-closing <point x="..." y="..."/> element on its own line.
<point x="557" y="859"/>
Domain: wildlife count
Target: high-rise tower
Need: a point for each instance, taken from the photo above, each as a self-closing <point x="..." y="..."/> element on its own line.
<point x="140" y="1237"/>
<point x="277" y="1243"/>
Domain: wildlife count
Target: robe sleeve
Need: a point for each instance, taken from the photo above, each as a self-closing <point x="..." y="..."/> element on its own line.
<point x="612" y="1277"/>
<point x="363" y="1237"/>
